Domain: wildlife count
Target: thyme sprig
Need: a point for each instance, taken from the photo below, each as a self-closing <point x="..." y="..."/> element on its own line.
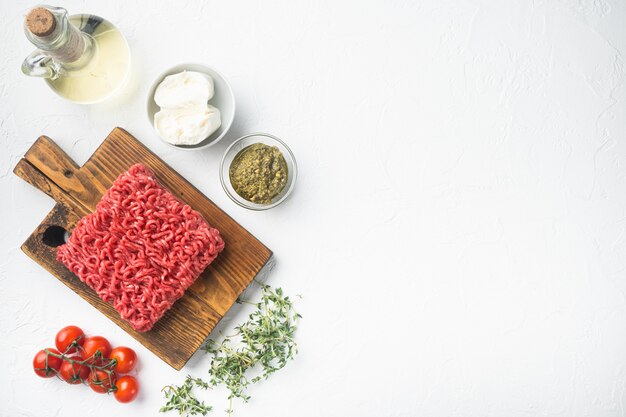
<point x="260" y="346"/>
<point x="264" y="343"/>
<point x="182" y="399"/>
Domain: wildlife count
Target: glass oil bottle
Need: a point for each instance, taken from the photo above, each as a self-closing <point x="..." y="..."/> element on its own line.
<point x="83" y="58"/>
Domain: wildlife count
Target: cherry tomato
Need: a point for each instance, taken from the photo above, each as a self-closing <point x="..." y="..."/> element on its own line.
<point x="49" y="369"/>
<point x="95" y="344"/>
<point x="127" y="389"/>
<point x="73" y="373"/>
<point x="100" y="381"/>
<point x="68" y="338"/>
<point x="125" y="358"/>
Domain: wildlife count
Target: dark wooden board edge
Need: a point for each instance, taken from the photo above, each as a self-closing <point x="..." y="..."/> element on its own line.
<point x="30" y="173"/>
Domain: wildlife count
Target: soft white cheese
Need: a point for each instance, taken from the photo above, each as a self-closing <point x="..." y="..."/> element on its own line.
<point x="185" y="117"/>
<point x="187" y="125"/>
<point x="185" y="89"/>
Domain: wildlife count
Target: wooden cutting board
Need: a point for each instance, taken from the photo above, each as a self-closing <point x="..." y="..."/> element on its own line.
<point x="77" y="190"/>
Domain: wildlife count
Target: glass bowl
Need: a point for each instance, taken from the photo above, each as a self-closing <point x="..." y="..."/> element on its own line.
<point x="244" y="142"/>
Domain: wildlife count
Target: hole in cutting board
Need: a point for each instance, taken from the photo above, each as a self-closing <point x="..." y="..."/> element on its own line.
<point x="55" y="236"/>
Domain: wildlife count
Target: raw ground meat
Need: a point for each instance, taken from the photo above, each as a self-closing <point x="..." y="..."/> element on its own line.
<point x="141" y="249"/>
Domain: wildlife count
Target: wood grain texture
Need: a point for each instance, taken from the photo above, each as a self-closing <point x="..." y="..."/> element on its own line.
<point x="77" y="190"/>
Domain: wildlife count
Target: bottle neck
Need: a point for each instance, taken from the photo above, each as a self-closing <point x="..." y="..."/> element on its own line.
<point x="65" y="43"/>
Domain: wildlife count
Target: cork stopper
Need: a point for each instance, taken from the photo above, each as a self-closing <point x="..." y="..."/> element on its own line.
<point x="40" y="22"/>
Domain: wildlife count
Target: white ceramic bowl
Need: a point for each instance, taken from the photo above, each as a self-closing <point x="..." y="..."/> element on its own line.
<point x="224" y="100"/>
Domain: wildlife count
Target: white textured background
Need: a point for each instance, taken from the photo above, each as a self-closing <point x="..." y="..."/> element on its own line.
<point x="458" y="230"/>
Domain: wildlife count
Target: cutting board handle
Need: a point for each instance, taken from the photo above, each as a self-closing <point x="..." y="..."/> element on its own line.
<point x="48" y="168"/>
<point x="49" y="161"/>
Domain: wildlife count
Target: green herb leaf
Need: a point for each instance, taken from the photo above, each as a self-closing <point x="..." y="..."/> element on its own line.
<point x="259" y="347"/>
<point x="181" y="398"/>
<point x="263" y="344"/>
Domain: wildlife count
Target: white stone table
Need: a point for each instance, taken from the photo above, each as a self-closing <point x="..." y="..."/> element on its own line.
<point x="458" y="230"/>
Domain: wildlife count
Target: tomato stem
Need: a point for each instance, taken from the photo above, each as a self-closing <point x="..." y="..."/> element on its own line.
<point x="90" y="362"/>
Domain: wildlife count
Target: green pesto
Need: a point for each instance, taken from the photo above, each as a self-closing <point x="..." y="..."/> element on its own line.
<point x="259" y="173"/>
